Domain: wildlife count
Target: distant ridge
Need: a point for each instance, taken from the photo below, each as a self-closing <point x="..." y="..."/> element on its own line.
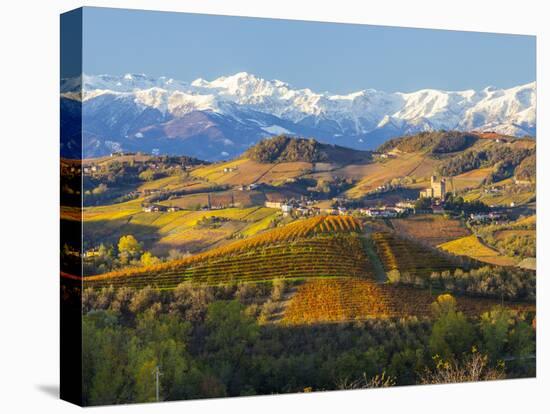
<point x="220" y="119"/>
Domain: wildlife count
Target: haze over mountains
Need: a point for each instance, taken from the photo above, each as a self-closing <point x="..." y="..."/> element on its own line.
<point x="220" y="119"/>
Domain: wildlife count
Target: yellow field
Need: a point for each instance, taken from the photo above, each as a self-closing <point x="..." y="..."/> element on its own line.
<point x="174" y="183"/>
<point x="530" y="221"/>
<point x="162" y="231"/>
<point x="215" y="173"/>
<point x="112" y="211"/>
<point x="470" y="179"/>
<point x="503" y="198"/>
<point x="471" y="246"/>
<point x="244" y="171"/>
<point x="261" y="224"/>
<point x="121" y="158"/>
<point x="415" y="165"/>
<point x="502" y="234"/>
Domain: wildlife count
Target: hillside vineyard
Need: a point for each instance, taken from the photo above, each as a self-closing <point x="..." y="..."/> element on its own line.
<point x="237" y="235"/>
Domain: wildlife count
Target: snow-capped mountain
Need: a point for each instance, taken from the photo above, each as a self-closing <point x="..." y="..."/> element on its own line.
<point x="220" y="118"/>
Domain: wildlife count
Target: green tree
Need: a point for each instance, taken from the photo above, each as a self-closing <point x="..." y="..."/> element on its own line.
<point x="105" y="360"/>
<point x="231" y="334"/>
<point x="522" y="346"/>
<point x="452" y="335"/>
<point x="162" y="340"/>
<point x="494" y="326"/>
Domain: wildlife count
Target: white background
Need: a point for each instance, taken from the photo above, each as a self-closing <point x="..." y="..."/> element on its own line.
<point x="29" y="235"/>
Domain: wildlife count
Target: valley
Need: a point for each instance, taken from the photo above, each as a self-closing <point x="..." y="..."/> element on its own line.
<point x="208" y="223"/>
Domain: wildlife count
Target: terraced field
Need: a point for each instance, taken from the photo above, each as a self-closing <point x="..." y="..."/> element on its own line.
<point x="112" y="211"/>
<point x="244" y="171"/>
<point x="324" y="246"/>
<point x="327" y="256"/>
<point x="161" y="231"/>
<point x="518" y="196"/>
<point x="349" y="299"/>
<point x="530" y="221"/>
<point x="175" y="183"/>
<point x="470" y="179"/>
<point x="471" y="246"/>
<point x="416" y="166"/>
<point x="398" y="253"/>
<point x="430" y="228"/>
<point x="242" y="199"/>
<point x="503" y="234"/>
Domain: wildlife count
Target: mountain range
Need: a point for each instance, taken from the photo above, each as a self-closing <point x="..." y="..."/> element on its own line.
<point x="220" y="119"/>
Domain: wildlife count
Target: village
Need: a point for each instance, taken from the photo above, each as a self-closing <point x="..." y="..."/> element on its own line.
<point x="431" y="200"/>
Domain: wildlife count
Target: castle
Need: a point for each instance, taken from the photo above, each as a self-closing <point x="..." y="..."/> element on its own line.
<point x="437" y="189"/>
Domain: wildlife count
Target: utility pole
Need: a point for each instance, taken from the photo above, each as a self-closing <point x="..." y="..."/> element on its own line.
<point x="157" y="374"/>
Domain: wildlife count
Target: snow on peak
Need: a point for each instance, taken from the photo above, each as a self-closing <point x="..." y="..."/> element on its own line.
<point x="355" y="113"/>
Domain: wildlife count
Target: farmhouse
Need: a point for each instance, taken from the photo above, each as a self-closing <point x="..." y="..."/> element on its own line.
<point x="384" y="212"/>
<point x="485" y="217"/>
<point x="522" y="182"/>
<point x="91" y="169"/>
<point x="154" y="208"/>
<point x="386" y="155"/>
<point x="304" y="211"/>
<point x="405" y="205"/>
<point x="273" y="204"/>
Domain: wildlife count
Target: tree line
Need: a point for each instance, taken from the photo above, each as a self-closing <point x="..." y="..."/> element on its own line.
<point x="208" y="342"/>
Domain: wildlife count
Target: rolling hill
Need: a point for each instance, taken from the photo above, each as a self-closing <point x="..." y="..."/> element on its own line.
<point x="323" y="246"/>
<point x="286" y="149"/>
<point x="328" y="261"/>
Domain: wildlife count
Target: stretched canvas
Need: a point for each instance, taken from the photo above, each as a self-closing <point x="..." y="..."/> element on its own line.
<point x="257" y="206"/>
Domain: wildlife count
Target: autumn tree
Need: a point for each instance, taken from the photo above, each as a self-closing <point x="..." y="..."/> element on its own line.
<point x="128" y="249"/>
<point x="148" y="259"/>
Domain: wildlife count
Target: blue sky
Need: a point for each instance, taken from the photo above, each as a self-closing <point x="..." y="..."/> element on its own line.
<point x="339" y="58"/>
